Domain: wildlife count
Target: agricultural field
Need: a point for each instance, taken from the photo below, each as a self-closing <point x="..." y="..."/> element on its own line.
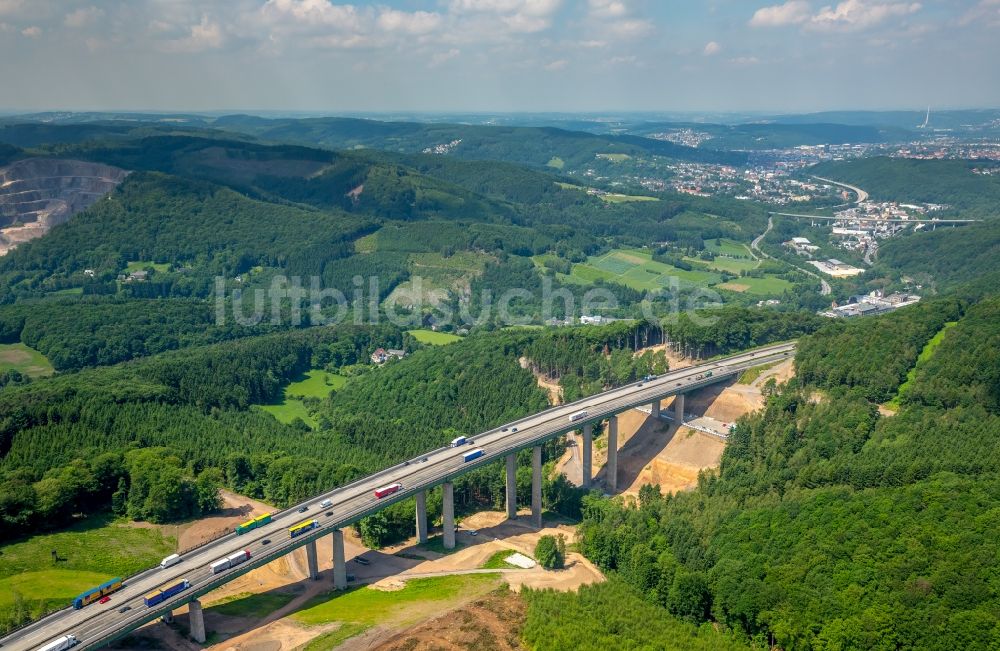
<point x="146" y="264"/>
<point x="614" y="197"/>
<point x="89" y="553"/>
<point x="316" y="383"/>
<point x="434" y="338"/>
<point x="768" y="286"/>
<point x="364" y="607"/>
<point x="614" y="158"/>
<point x="24" y="359"/>
<point x="636" y="269"/>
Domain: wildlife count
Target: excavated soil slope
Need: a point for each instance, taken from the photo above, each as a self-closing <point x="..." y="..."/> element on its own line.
<point x="39" y="193"/>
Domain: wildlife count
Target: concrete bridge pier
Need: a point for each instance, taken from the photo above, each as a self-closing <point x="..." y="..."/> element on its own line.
<point x="448" y="514"/>
<point x="312" y="559"/>
<point x="612" y="467"/>
<point x="511" y="486"/>
<point x="339" y="565"/>
<point x="536" y="487"/>
<point x="588" y="449"/>
<point x="679" y="409"/>
<point x="655" y="409"/>
<point x="197" y="621"/>
<point x="421" y="516"/>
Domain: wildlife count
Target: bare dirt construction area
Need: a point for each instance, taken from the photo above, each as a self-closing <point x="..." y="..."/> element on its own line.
<point x="235" y="509"/>
<point x="492" y="623"/>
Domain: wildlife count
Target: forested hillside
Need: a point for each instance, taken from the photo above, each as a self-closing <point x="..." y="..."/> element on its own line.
<point x="830" y="526"/>
<point x="950" y="182"/>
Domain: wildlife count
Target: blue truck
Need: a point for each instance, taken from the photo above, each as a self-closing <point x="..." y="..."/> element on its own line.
<point x="475" y="454"/>
<point x="162" y="594"/>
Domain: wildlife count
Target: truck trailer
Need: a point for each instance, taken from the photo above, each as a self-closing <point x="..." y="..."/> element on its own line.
<point x="469" y="456"/>
<point x="385" y="491"/>
<point x="458" y="441"/>
<point x="65" y="642"/>
<point x="580" y="415"/>
<point x="162" y="594"/>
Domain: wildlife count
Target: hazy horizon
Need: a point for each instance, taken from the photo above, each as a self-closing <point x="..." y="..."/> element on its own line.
<point x="462" y="56"/>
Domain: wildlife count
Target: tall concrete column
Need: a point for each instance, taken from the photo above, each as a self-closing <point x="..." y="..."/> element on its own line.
<point x="422" y="517"/>
<point x="612" y="467"/>
<point x="448" y="514"/>
<point x="679" y="409"/>
<point x="536" y="487"/>
<point x="339" y="565"/>
<point x="311" y="558"/>
<point x="511" y="486"/>
<point x="588" y="448"/>
<point x="655" y="410"/>
<point x="197" y="621"/>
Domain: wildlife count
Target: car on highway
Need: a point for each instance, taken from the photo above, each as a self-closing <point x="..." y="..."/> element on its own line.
<point x="329" y="514"/>
<point x="266" y="541"/>
<point x="125" y="609"/>
<point x="424" y="460"/>
<point x="303" y="509"/>
<point x="105" y="599"/>
<point x="639" y="385"/>
<point x="473" y="532"/>
<point x="504" y="429"/>
<point x="513" y="429"/>
<point x="362" y="561"/>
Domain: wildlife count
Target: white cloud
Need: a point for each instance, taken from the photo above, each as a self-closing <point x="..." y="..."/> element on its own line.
<point x="744" y="61"/>
<point x="986" y="12"/>
<point x="523" y="16"/>
<point x="792" y="12"/>
<point x="83" y="17"/>
<point x="417" y="22"/>
<point x="557" y="65"/>
<point x="206" y="35"/>
<point x="860" y="14"/>
<point x="593" y="43"/>
<point x="32" y="32"/>
<point x="441" y="57"/>
<point x="607" y="8"/>
<point x="711" y="48"/>
<point x="10" y="7"/>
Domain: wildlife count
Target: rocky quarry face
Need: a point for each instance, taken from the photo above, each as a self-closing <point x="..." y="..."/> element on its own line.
<point x="39" y="193"/>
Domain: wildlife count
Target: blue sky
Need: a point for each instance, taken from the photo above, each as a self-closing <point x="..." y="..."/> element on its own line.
<point x="499" y="55"/>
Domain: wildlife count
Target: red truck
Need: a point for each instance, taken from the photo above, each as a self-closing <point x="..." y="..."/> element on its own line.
<point x="387" y="490"/>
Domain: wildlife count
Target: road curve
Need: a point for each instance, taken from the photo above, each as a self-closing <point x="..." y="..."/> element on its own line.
<point x="98" y="624"/>
<point x="824" y="287"/>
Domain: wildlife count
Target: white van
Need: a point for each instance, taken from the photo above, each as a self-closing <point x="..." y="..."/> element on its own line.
<point x="325" y="504"/>
<point x="173" y="559"/>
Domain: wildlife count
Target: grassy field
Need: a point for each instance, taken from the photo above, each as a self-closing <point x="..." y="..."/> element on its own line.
<point x="925" y="354"/>
<point x="727" y="247"/>
<point x="613" y="197"/>
<point x="316" y="383"/>
<point x="69" y="291"/>
<point x="24" y="359"/>
<point x="434" y="338"/>
<point x="636" y="269"/>
<point x="615" y="158"/>
<point x="368" y="606"/>
<point x="497" y="562"/>
<point x="90" y="553"/>
<point x="556" y="162"/>
<point x="249" y="604"/>
<point x="767" y="286"/>
<point x="144" y="264"/>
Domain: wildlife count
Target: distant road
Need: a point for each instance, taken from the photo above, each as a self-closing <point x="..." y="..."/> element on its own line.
<point x="824" y="287"/>
<point x="862" y="195"/>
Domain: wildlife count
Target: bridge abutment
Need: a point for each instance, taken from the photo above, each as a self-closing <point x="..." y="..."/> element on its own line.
<point x="311" y="558"/>
<point x="512" y="486"/>
<point x="679" y="409"/>
<point x="612" y="466"/>
<point x="421" y="516"/>
<point x="448" y="514"/>
<point x="339" y="565"/>
<point x="536" y="486"/>
<point x="197" y="621"/>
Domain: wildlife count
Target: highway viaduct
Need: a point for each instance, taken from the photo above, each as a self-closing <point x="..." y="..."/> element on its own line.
<point x="97" y="625"/>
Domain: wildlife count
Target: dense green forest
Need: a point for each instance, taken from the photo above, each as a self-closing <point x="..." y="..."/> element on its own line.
<point x="950" y="182"/>
<point x="828" y="525"/>
<point x="944" y="258"/>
